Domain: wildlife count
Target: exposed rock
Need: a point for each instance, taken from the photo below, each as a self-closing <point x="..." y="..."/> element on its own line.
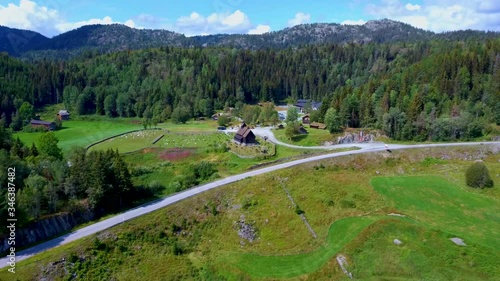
<point x="397" y="242"/>
<point x="343" y="263"/>
<point x="47" y="228"/>
<point x="396" y="215"/>
<point x="355" y="138"/>
<point x="246" y="230"/>
<point x="458" y="241"/>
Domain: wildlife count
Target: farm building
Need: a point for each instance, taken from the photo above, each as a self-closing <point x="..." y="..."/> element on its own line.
<point x="306" y="119"/>
<point x="63" y="115"/>
<point x="316" y="125"/>
<point x="315" y="105"/>
<point x="51" y="126"/>
<point x="245" y="135"/>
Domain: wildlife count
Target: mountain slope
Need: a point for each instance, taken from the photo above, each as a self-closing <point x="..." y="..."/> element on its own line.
<point x="115" y="37"/>
<point x="379" y="31"/>
<point x="17" y="41"/>
<point x="112" y="37"/>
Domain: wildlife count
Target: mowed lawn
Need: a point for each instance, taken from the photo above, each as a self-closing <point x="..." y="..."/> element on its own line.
<point x="440" y="204"/>
<point x="314" y="137"/>
<point x="82" y="133"/>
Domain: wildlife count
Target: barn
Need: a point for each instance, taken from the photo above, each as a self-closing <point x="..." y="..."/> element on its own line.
<point x="51" y="126"/>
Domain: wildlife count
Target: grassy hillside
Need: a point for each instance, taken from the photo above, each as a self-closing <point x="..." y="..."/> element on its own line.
<point x="346" y="201"/>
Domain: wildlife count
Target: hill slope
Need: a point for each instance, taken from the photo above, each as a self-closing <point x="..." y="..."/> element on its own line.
<point x="115" y="37"/>
<point x="17" y="41"/>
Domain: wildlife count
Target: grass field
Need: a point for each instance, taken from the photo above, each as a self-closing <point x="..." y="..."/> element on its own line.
<point x="346" y="200"/>
<point x="168" y="161"/>
<point x="438" y="204"/>
<point x="313" y="138"/>
<point x="341" y="232"/>
<point x="82" y="133"/>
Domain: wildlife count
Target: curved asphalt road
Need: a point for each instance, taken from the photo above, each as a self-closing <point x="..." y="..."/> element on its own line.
<point x="153" y="206"/>
<point x="266" y="132"/>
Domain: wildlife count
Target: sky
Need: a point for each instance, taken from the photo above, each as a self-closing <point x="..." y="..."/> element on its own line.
<point x="202" y="17"/>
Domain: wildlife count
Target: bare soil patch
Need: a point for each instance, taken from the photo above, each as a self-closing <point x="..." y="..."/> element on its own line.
<point x="175" y="154"/>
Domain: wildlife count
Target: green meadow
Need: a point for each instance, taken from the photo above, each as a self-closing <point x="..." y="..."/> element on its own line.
<point x="314" y="137"/>
<point x="81" y="133"/>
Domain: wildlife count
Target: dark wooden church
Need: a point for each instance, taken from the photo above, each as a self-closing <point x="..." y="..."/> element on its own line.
<point x="245" y="135"/>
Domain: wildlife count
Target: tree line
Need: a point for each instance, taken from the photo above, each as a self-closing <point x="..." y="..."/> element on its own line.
<point x="434" y="89"/>
<point x="48" y="183"/>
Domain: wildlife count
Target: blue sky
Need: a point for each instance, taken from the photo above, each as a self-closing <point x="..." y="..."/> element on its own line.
<point x="198" y="17"/>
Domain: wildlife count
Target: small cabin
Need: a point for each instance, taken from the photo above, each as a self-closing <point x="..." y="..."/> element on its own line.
<point x="63" y="115"/>
<point x="306" y="119"/>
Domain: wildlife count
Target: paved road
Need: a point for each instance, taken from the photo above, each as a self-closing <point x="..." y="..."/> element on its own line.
<point x="139" y="211"/>
<point x="267" y="132"/>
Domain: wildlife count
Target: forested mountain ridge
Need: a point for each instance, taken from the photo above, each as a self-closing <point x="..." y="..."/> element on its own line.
<point x="17" y="41"/>
<point x="115" y="37"/>
<point x="100" y="38"/>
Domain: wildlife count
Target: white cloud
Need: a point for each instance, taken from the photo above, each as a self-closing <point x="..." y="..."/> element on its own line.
<point x="235" y="19"/>
<point x="66" y="26"/>
<point x="29" y="15"/>
<point x="299" y="18"/>
<point x="260" y="29"/>
<point x="196" y="24"/>
<point x="353" y="22"/>
<point x="411" y="7"/>
<point x="442" y="15"/>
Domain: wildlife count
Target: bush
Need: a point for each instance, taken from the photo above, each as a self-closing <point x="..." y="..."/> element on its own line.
<point x="204" y="170"/>
<point x="478" y="176"/>
<point x="346" y="204"/>
<point x="155" y="187"/>
<point x="298" y="210"/>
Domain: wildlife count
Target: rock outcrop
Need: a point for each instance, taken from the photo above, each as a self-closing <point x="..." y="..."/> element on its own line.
<point x="355" y="138"/>
<point x="47" y="228"/>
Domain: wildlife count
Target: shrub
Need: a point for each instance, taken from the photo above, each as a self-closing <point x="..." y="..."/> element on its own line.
<point x="346" y="204"/>
<point x="204" y="170"/>
<point x="156" y="187"/>
<point x="247" y="203"/>
<point x="298" y="210"/>
<point x="478" y="176"/>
